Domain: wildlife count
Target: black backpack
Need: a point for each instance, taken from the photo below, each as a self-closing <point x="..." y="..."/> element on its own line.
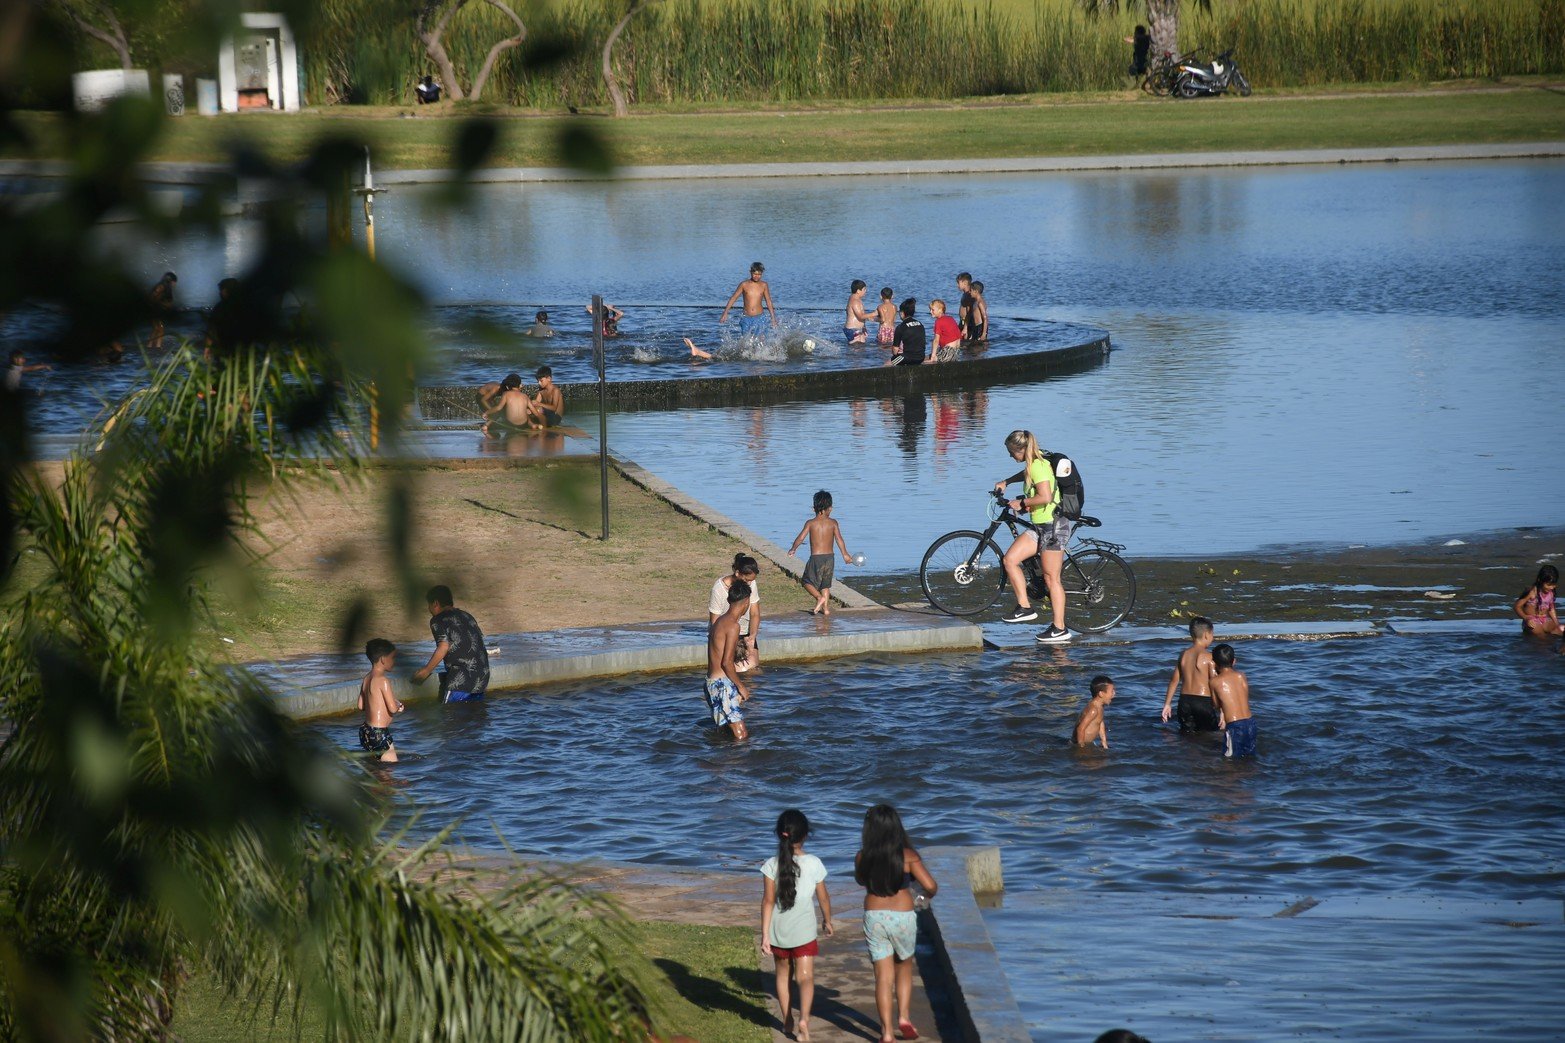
<point x="1072" y="495"/>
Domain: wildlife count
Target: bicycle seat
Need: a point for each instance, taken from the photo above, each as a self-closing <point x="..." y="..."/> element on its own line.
<point x="1089" y="521"/>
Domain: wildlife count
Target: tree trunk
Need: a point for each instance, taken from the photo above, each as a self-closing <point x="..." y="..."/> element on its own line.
<point x="114" y="35"/>
<point x="495" y="51"/>
<point x="621" y="104"/>
<point x="437" y="50"/>
<point x="1163" y="16"/>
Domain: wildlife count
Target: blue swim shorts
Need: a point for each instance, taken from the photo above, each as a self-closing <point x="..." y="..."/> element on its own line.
<point x="752" y="325"/>
<point x="464" y="697"/>
<point x="850" y="334"/>
<point x="723" y="699"/>
<point x="888" y="931"/>
<point x="1240" y="738"/>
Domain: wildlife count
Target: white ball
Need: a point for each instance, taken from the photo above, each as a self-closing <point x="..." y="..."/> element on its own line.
<point x="809" y="345"/>
<point x="858" y="559"/>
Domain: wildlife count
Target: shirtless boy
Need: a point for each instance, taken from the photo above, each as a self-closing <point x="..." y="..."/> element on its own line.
<point x="1232" y="690"/>
<point x="886" y="315"/>
<point x="725" y="689"/>
<point x="964" y="309"/>
<point x="550" y="403"/>
<point x="377" y="702"/>
<point x="512" y="410"/>
<point x="978" y="314"/>
<point x="1092" y="726"/>
<point x="756" y="294"/>
<point x="853" y="323"/>
<point x="822" y="531"/>
<point x="1192" y="678"/>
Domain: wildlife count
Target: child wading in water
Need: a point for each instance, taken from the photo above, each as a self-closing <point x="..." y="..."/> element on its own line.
<point x="1536" y="605"/>
<point x="883" y="867"/>
<point x="377" y="702"/>
<point x="886" y="315"/>
<point x="1232" y="691"/>
<point x="1093" y="726"/>
<point x="819" y="571"/>
<point x="794" y="881"/>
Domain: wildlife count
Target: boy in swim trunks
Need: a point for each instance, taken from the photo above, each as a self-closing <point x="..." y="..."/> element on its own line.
<point x="964" y="308"/>
<point x="550" y="403"/>
<point x="853" y="330"/>
<point x="377" y="702"/>
<point x="886" y="315"/>
<point x="1192" y="678"/>
<point x="725" y="689"/>
<point x="1232" y="690"/>
<point x="1092" y="726"/>
<point x="948" y="335"/>
<point x="977" y="315"/>
<point x="822" y="531"/>
<point x="756" y="294"/>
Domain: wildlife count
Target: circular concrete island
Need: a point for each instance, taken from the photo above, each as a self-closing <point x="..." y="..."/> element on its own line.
<point x="649" y="366"/>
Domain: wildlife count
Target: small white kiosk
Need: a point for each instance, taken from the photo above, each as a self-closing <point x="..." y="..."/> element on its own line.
<point x="258" y="68"/>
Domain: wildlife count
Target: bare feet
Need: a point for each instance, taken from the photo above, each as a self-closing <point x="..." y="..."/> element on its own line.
<point x="787" y="1022"/>
<point x="803" y="1035"/>
<point x="695" y="351"/>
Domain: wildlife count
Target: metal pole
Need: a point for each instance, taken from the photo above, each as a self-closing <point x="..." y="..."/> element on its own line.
<point x="603" y="411"/>
<point x="369" y="205"/>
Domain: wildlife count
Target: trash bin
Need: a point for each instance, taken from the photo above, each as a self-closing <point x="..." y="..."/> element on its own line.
<point x="206" y="97"/>
<point x="174" y="94"/>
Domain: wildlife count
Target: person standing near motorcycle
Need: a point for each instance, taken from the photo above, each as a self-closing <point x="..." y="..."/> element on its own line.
<point x="1140" y="46"/>
<point x="1040" y="498"/>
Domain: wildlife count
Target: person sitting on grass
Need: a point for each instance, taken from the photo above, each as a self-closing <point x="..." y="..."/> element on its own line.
<point x="427" y="91"/>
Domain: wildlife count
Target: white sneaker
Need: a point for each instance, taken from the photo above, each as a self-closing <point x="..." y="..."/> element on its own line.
<point x="1054" y="636"/>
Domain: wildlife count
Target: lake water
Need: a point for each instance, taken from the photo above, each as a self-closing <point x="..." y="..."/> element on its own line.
<point x="1306" y="355"/>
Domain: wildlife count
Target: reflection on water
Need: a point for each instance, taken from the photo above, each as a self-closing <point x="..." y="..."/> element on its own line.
<point x="1384" y="767"/>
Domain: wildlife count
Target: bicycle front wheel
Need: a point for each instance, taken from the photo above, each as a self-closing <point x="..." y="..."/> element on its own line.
<point x="961" y="573"/>
<point x="1100" y="590"/>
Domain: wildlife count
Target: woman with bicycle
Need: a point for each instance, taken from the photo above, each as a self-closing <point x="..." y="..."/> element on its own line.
<point x="1047" y="537"/>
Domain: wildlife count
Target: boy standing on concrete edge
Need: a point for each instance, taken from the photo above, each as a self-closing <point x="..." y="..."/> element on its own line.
<point x="459" y="650"/>
<point x="725" y="689"/>
<point x="377" y="702"/>
<point x="822" y="531"/>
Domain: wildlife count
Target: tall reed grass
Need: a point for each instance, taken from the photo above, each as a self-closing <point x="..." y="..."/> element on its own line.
<point x="701" y="51"/>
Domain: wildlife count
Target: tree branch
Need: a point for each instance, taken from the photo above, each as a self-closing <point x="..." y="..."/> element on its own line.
<point x="432" y="45"/>
<point x="621" y="104"/>
<point x="503" y="45"/>
<point x="114" y="36"/>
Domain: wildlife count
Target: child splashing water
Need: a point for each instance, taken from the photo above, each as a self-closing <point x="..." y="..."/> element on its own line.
<point x="794" y="882"/>
<point x="885" y="867"/>
<point x="1536" y="605"/>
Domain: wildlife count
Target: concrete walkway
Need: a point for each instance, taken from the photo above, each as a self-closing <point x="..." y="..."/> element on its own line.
<point x="324" y="684"/>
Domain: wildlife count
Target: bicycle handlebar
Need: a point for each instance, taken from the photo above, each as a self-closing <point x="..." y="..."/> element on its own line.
<point x="1086" y="521"/>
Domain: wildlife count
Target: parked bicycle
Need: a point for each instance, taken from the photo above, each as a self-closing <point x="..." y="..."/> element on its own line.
<point x="1164" y="72"/>
<point x="962" y="573"/>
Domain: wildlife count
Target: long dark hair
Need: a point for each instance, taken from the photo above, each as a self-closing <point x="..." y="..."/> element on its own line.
<point x="882" y="852"/>
<point x="1547" y="574"/>
<point x="792" y="828"/>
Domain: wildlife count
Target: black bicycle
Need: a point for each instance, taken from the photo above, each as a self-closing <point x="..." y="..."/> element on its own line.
<point x="962" y="573"/>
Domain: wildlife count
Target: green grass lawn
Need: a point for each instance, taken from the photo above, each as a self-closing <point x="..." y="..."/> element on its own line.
<point x="1059" y="126"/>
<point x="711" y="972"/>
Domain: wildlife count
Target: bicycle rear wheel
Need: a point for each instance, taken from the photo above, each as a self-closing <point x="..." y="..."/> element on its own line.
<point x="961" y="573"/>
<point x="1100" y="590"/>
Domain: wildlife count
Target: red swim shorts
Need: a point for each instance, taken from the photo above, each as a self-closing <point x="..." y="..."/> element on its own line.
<point x="807" y="949"/>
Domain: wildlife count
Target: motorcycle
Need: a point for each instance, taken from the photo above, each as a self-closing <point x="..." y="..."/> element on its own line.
<point x="1213" y="78"/>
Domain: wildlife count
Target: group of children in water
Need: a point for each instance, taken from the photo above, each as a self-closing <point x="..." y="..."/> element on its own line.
<point x="899" y="328"/>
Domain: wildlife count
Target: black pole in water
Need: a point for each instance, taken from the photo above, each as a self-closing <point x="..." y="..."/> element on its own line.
<point x="603" y="413"/>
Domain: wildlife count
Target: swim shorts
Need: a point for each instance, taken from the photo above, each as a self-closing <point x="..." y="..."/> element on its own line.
<point x="723" y="698"/>
<point x="947" y="354"/>
<point x="551" y="418"/>
<point x="463" y="697"/>
<point x="1197" y="713"/>
<point x="977" y="330"/>
<point x="888" y="931"/>
<point x="853" y="335"/>
<point x="752" y="325"/>
<point x="812" y="948"/>
<point x="887" y="333"/>
<point x="375" y="740"/>
<point x="1240" y="738"/>
<point x="819" y="570"/>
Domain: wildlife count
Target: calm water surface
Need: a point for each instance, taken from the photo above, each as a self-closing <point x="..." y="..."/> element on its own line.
<point x="1387" y="765"/>
<point x="1307" y="355"/>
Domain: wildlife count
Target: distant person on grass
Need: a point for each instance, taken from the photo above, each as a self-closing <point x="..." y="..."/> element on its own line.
<point x="459" y="650"/>
<point x="757" y="301"/>
<point x="795" y="881"/>
<point x="1536" y="605"/>
<point x="1231" y="689"/>
<point x="1092" y="726"/>
<point x="725" y="690"/>
<point x="1140" y="45"/>
<point x="886" y="867"/>
<point x="427" y="91"/>
<point x="1192" y="679"/>
<point x="377" y="702"/>
<point x="822" y="531"/>
<point x="746" y="570"/>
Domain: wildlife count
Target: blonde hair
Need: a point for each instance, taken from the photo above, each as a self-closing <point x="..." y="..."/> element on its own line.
<point x="1026" y="443"/>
